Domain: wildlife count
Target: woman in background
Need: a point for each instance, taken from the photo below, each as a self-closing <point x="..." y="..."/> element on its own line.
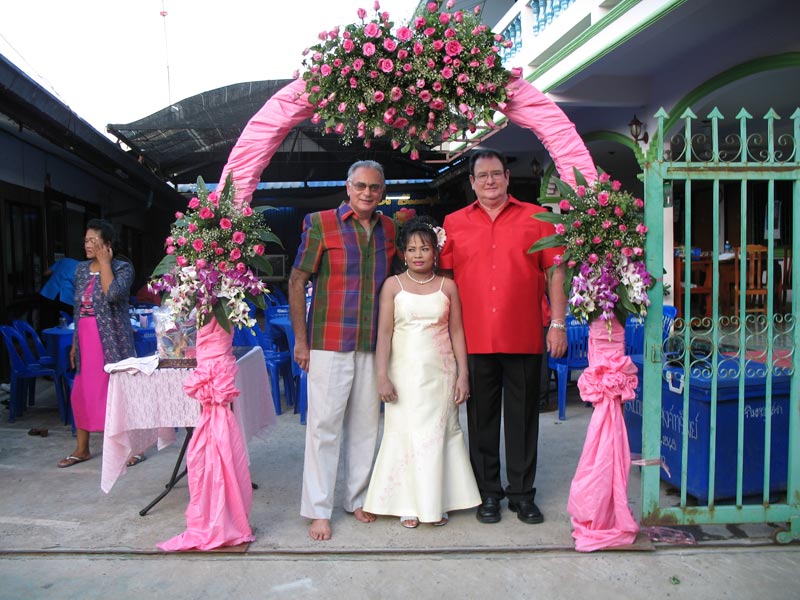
<point x="103" y="333"/>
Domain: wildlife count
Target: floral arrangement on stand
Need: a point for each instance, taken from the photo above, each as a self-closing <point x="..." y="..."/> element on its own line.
<point x="417" y="85"/>
<point x="602" y="230"/>
<point x="211" y="254"/>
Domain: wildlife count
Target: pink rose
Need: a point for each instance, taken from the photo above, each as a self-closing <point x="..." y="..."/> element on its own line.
<point x="576" y="224"/>
<point x="362" y="107"/>
<point x="219" y="251"/>
<point x="235" y="254"/>
<point x="247" y="211"/>
<point x="414" y="155"/>
<point x="170" y="249"/>
<point x="194" y="203"/>
<point x="606" y="224"/>
<point x="564" y="205"/>
<point x="638" y="251"/>
<point x="591" y="212"/>
<point x="182" y="241"/>
<point x="453" y="48"/>
<point x="378" y="96"/>
<point x="444" y="18"/>
<point x="241" y="267"/>
<point x="560" y="229"/>
<point x="181" y="261"/>
<point x="348" y="46"/>
<point x="353" y="82"/>
<point x="395" y="94"/>
<point x="641" y="228"/>
<point x="358" y="64"/>
<point x="605" y="178"/>
<point x="596" y="239"/>
<point x="627" y="252"/>
<point x="389" y="44"/>
<point x="169" y="241"/>
<point x="617" y="243"/>
<point x="419" y="22"/>
<point x="602" y="198"/>
<point x="225" y="223"/>
<point x="638" y="202"/>
<point x="557" y="259"/>
<point x="259" y="249"/>
<point x="404" y="34"/>
<point x="618" y="211"/>
<point x="361" y="13"/>
<point x="418" y="48"/>
<point x="222" y="266"/>
<point x="372" y="30"/>
<point x="179" y="215"/>
<point x="213" y="197"/>
<point x="516" y="72"/>
<point x="447" y="73"/>
<point x="325" y="70"/>
<point x="386" y="65"/>
<point x="623" y="228"/>
<point x="205" y="213"/>
<point x="432" y="7"/>
<point x="339" y="129"/>
<point x="437" y="104"/>
<point x="616" y="185"/>
<point x="192" y="228"/>
<point x="571" y="264"/>
<point x="201" y="263"/>
<point x="238" y="237"/>
<point x="368" y="49"/>
<point x="438" y="45"/>
<point x="579" y="242"/>
<point x="198" y="244"/>
<point x="580" y="191"/>
<point x="593" y="258"/>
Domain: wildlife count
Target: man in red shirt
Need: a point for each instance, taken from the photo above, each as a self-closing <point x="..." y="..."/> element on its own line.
<point x="501" y="287"/>
<point x="348" y="251"/>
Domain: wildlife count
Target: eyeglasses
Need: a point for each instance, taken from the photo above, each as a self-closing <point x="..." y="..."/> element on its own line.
<point x="484" y="177"/>
<point x="360" y="186"/>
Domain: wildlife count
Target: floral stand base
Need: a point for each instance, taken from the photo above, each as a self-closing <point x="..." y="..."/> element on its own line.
<point x="598" y="497"/>
<point x="220" y="488"/>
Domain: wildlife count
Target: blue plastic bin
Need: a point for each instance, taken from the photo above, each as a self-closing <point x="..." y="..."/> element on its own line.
<point x="727" y="429"/>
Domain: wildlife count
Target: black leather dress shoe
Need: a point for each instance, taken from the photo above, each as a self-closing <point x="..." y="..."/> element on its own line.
<point x="489" y="511"/>
<point x="527" y="511"/>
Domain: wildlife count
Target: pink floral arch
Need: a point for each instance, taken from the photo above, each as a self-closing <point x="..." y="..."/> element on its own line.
<point x="528" y="107"/>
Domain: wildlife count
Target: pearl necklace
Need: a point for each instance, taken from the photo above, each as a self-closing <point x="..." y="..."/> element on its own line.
<point x="428" y="280"/>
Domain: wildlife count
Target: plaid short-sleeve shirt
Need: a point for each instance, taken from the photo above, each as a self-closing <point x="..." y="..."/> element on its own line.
<point x="348" y="267"/>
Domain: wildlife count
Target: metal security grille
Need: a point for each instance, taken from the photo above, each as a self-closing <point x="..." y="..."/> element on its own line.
<point x="720" y="404"/>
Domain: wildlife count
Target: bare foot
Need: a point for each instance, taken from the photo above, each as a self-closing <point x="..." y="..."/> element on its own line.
<point x="320" y="529"/>
<point x="361" y="515"/>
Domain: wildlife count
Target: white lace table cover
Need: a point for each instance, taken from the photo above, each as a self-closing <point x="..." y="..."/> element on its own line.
<point x="144" y="410"/>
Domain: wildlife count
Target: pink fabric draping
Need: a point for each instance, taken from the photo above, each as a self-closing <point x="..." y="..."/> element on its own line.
<point x="220" y="489"/>
<point x="263" y="135"/>
<point x="531" y="109"/>
<point x="598" y="496"/>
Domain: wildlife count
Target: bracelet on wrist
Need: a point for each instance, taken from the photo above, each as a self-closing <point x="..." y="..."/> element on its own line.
<point x="555" y="325"/>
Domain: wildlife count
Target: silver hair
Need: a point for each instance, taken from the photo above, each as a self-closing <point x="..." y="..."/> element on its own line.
<point x="365" y="164"/>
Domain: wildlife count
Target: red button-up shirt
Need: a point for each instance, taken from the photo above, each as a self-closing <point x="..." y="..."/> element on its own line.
<point x="501" y="286"/>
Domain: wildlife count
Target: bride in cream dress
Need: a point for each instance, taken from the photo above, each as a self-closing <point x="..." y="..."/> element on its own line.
<point x="423" y="469"/>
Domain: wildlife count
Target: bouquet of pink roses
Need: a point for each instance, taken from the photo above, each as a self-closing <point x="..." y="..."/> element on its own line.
<point x="602" y="231"/>
<point x="370" y="80"/>
<point x="211" y="253"/>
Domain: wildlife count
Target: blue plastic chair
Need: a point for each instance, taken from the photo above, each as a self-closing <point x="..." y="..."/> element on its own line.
<point x="39" y="353"/>
<point x="576" y="358"/>
<point x="634" y="330"/>
<point x="24" y="373"/>
<point x="278" y="363"/>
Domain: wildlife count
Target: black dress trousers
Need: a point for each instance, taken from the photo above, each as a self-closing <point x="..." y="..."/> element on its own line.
<point x="509" y="382"/>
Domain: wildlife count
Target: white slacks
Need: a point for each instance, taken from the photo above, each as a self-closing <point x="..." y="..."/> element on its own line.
<point x="343" y="411"/>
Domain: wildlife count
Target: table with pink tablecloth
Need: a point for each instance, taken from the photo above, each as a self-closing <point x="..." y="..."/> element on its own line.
<point x="144" y="410"/>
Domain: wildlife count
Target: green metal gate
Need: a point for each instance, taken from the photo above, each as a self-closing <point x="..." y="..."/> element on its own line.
<point x="721" y="411"/>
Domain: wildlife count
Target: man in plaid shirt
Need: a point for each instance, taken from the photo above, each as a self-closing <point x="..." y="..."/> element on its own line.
<point x="348" y="252"/>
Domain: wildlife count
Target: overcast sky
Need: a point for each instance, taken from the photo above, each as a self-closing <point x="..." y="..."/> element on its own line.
<point x="107" y="59"/>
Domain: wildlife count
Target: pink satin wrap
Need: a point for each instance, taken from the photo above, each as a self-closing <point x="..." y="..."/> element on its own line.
<point x="598" y="496"/>
<point x="289" y="107"/>
<point x="220" y="489"/>
<point x="531" y="109"/>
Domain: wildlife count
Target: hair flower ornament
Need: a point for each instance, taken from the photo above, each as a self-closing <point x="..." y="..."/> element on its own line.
<point x="441" y="236"/>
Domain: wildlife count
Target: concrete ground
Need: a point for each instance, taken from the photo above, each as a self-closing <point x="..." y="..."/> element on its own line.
<point x="62" y="537"/>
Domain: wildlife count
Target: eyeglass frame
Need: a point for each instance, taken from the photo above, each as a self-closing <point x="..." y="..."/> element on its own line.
<point x="360" y="186"/>
<point x="484" y="177"/>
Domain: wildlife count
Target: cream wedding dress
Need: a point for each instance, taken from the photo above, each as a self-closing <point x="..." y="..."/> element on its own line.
<point x="422" y="468"/>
